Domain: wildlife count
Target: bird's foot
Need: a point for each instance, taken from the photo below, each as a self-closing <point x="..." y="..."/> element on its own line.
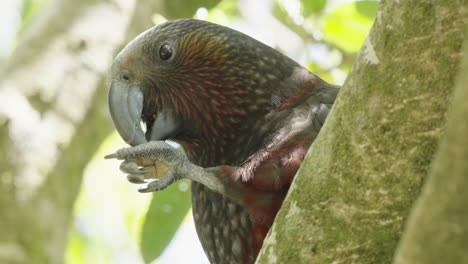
<point x="155" y="164"/>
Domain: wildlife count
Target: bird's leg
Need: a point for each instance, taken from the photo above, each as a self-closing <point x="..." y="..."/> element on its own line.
<point x="158" y="165"/>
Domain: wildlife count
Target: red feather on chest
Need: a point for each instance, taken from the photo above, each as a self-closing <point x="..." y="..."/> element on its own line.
<point x="266" y="179"/>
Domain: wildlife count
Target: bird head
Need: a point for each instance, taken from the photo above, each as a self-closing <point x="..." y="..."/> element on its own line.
<point x="187" y="79"/>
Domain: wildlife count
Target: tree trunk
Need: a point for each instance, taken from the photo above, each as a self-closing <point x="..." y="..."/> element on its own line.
<point x="353" y="194"/>
<point x="437" y="230"/>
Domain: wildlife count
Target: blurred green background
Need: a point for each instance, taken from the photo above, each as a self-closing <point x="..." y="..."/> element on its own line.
<point x="44" y="99"/>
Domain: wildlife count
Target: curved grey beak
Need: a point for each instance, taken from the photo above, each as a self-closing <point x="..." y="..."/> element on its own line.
<point x="126" y="105"/>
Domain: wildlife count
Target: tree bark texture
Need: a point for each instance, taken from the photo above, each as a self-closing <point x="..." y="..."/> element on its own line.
<point x="437" y="230"/>
<point x="354" y="192"/>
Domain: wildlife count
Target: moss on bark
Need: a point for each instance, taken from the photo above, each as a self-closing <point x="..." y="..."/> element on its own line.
<point x="437" y="230"/>
<point x="353" y="194"/>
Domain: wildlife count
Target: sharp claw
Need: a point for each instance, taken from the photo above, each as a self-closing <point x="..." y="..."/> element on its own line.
<point x="136" y="179"/>
<point x="145" y="190"/>
<point x="131" y="167"/>
<point x="153" y="186"/>
<point x="111" y="156"/>
<point x="159" y="184"/>
<point x="135" y="171"/>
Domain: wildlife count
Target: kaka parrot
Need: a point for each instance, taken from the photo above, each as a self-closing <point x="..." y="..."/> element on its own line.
<point x="244" y="113"/>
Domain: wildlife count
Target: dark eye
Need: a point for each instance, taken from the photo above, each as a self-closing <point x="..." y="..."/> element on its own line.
<point x="165" y="52"/>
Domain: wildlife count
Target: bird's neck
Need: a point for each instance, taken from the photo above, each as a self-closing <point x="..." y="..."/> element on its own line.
<point x="225" y="140"/>
<point x="231" y="148"/>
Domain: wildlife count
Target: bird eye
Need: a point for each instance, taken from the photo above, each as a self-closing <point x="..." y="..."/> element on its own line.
<point x="165" y="52"/>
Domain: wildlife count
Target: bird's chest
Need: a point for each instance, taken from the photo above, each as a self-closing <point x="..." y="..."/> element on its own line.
<point x="233" y="231"/>
<point x="223" y="226"/>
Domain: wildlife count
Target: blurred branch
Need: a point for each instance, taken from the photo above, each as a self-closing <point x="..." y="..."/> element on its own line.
<point x="50" y="68"/>
<point x="55" y="18"/>
<point x="59" y="65"/>
<point x="58" y="193"/>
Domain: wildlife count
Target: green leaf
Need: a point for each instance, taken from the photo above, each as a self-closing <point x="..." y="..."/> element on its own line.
<point x="367" y="8"/>
<point x="347" y="25"/>
<point x="183" y="9"/>
<point x="165" y="214"/>
<point x="29" y="9"/>
<point x="313" y="6"/>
